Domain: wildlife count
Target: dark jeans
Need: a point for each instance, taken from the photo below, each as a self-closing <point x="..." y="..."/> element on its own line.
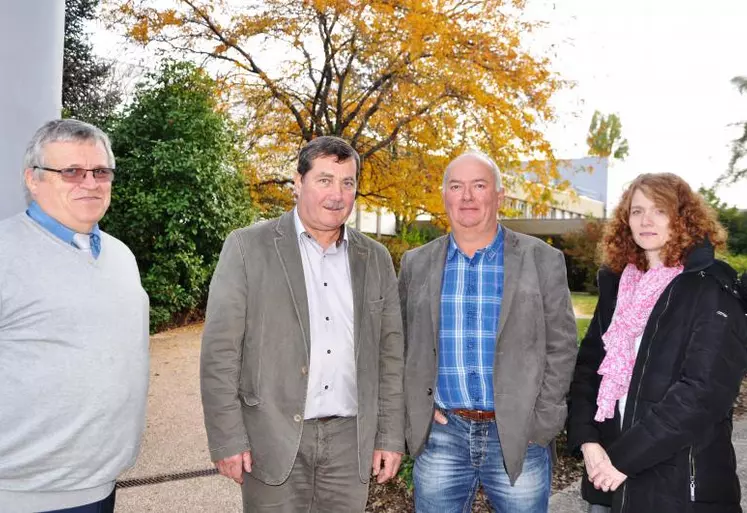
<point x="102" y="506"/>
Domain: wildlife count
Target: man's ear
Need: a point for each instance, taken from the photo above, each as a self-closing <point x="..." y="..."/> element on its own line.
<point x="31" y="181"/>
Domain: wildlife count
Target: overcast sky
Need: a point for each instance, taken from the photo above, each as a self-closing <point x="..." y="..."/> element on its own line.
<point x="663" y="65"/>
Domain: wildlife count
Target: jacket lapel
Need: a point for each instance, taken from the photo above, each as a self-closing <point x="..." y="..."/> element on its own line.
<point x="358" y="260"/>
<point x="289" y="255"/>
<point x="437" y="263"/>
<point x="511" y="267"/>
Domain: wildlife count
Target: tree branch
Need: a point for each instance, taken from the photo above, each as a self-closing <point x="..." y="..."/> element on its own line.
<point x="254" y="68"/>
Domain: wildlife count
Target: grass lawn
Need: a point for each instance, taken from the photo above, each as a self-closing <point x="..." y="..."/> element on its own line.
<point x="584" y="303"/>
<point x="582" y="325"/>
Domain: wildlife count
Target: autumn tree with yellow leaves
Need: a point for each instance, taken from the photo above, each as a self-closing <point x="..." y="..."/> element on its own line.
<point x="409" y="83"/>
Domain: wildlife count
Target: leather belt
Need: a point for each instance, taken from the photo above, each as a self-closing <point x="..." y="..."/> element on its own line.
<point x="475" y="415"/>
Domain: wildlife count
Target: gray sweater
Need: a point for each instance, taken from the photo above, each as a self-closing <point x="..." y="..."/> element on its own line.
<point x="73" y="368"/>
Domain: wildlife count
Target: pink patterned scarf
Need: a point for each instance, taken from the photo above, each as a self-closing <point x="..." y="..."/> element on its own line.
<point x="636" y="297"/>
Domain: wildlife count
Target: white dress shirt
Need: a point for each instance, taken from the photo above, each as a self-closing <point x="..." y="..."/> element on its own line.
<point x="332" y="385"/>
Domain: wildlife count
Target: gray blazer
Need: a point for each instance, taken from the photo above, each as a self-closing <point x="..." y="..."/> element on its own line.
<point x="255" y="349"/>
<point x="535" y="348"/>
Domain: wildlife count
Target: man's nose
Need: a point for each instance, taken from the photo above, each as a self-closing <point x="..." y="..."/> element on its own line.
<point x="337" y="188"/>
<point x="88" y="180"/>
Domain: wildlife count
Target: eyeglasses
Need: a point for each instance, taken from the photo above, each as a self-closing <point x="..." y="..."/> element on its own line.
<point x="78" y="174"/>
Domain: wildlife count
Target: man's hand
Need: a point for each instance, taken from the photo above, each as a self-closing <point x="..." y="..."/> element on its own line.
<point x="439" y="417"/>
<point x="234" y="466"/>
<point x="606" y="477"/>
<point x="385" y="465"/>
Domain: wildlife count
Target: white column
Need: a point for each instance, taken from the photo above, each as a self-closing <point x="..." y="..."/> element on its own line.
<point x="31" y="46"/>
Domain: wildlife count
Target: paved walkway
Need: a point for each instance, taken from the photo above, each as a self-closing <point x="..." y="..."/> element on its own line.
<point x="175" y="441"/>
<point x="175" y="438"/>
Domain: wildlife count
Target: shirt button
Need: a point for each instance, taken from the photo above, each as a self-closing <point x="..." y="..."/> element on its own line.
<point x="327" y="318"/>
<point x="304" y="370"/>
<point x="329" y="351"/>
<point x="325" y="283"/>
<point x="297" y="417"/>
<point x="326" y="387"/>
<point x="430" y="391"/>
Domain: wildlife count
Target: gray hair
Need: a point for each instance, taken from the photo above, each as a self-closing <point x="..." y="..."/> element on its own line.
<point x="479" y="156"/>
<point x="61" y="130"/>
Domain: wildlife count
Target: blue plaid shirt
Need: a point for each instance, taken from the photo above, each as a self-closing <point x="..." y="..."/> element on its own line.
<point x="471" y="296"/>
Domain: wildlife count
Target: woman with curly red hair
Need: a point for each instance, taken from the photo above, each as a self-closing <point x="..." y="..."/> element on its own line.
<point x="661" y="364"/>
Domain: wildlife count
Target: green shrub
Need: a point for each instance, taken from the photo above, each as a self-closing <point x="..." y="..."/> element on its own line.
<point x="738" y="262"/>
<point x="582" y="257"/>
<point x="409" y="239"/>
<point x="396" y="248"/>
<point x="405" y="471"/>
<point x="177" y="193"/>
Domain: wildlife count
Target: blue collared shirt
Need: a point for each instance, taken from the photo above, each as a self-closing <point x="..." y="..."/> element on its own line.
<point x="61" y="231"/>
<point x="471" y="296"/>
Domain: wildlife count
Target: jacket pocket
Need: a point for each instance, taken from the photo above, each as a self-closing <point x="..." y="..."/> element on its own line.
<point x="375" y="306"/>
<point x="249" y="399"/>
<point x="712" y="475"/>
<point x="547" y="421"/>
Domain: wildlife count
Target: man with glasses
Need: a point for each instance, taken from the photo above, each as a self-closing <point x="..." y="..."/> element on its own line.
<point x="73" y="333"/>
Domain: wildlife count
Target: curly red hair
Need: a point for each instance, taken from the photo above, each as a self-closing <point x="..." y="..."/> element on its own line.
<point x="691" y="221"/>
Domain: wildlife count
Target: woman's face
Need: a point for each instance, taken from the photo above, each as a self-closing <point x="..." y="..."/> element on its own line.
<point x="650" y="226"/>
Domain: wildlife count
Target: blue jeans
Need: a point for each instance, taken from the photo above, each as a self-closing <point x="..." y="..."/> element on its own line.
<point x="462" y="455"/>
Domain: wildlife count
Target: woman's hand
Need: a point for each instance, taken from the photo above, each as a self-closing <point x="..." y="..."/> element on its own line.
<point x="593" y="455"/>
<point x="606" y="477"/>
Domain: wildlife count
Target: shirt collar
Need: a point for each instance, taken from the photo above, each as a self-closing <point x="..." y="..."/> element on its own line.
<point x="58" y="229"/>
<point x="301" y="230"/>
<point x="490" y="250"/>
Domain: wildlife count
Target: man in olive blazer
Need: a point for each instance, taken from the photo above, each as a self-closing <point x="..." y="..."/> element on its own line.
<point x="533" y="352"/>
<point x="267" y="422"/>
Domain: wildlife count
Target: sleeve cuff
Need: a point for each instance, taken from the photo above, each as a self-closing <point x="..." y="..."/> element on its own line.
<point x="231" y="449"/>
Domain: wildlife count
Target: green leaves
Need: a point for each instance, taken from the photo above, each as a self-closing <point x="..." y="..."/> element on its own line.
<point x="731" y="218"/>
<point x="179" y="192"/>
<point x="605" y="137"/>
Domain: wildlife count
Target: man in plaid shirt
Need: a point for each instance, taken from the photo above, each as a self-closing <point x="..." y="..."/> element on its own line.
<point x="490" y="350"/>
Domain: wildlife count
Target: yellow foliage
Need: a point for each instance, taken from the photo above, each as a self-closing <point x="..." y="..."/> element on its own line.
<point x="410" y="83"/>
<point x="139" y="31"/>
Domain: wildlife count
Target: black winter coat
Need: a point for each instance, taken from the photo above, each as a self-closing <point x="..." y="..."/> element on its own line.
<point x="675" y="441"/>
